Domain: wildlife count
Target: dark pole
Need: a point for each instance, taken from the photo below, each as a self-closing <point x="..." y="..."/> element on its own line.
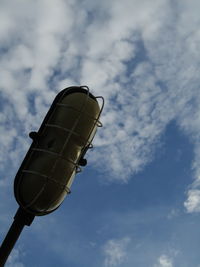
<point x="21" y="219"/>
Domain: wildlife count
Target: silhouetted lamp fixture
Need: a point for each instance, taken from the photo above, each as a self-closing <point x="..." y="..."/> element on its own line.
<point x="55" y="156"/>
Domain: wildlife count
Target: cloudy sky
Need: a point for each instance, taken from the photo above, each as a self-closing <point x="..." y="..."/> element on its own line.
<point x="137" y="202"/>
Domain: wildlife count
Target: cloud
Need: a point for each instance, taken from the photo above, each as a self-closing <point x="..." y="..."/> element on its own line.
<point x="164" y="261"/>
<point x="142" y="56"/>
<point x="39" y="52"/>
<point x="192" y="204"/>
<point x="115" y="251"/>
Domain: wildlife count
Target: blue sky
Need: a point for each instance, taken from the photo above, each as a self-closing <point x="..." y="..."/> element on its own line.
<point x="137" y="202"/>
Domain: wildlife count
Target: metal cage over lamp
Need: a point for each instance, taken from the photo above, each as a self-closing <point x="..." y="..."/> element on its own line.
<point x="55" y="156"/>
<point x="48" y="170"/>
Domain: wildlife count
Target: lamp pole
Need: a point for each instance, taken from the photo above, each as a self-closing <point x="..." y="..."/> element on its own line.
<point x="53" y="159"/>
<point x="21" y="219"/>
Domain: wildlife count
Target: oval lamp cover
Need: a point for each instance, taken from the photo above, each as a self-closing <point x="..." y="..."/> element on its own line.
<point x="49" y="167"/>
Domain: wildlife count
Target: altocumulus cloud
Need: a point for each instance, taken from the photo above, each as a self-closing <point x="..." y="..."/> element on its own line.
<point x="142" y="56"/>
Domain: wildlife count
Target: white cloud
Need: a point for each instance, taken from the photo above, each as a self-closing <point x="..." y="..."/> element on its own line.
<point x="147" y="78"/>
<point x="192" y="204"/>
<point x="115" y="251"/>
<point x="164" y="261"/>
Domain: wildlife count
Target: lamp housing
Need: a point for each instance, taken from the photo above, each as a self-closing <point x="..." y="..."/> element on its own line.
<point x="57" y="151"/>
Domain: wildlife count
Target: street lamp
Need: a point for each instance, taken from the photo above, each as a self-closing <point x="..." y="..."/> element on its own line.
<point x="54" y="157"/>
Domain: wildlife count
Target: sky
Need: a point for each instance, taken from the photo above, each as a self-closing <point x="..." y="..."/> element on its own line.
<point x="137" y="202"/>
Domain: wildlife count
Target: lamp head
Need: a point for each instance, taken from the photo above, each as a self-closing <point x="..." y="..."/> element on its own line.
<point x="57" y="151"/>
